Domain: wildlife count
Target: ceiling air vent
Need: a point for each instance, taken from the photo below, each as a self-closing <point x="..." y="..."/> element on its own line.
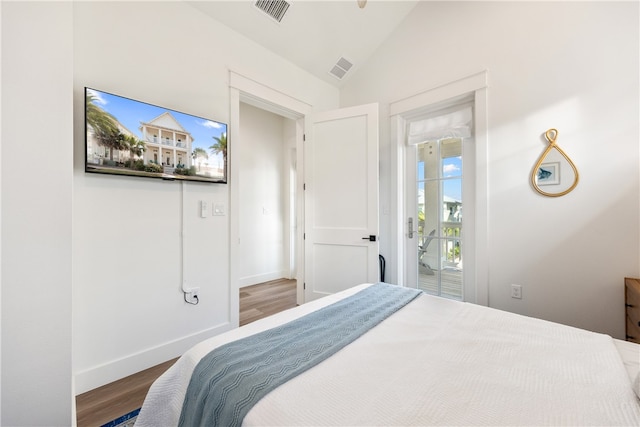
<point x="340" y="69"/>
<point x="274" y="8"/>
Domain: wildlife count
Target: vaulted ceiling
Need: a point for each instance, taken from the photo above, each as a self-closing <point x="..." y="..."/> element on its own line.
<point x="314" y="35"/>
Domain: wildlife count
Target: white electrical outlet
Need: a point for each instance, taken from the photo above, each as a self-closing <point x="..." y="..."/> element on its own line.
<point x="192" y="296"/>
<point x="203" y="208"/>
<point x="218" y="209"/>
<point x="516" y="291"/>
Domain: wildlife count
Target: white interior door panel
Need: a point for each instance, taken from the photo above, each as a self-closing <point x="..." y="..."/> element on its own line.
<point x="341" y="200"/>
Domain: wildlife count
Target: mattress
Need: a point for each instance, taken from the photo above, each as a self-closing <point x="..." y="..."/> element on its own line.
<point x="437" y="362"/>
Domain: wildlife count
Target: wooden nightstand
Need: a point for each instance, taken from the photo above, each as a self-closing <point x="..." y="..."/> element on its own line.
<point x="632" y="304"/>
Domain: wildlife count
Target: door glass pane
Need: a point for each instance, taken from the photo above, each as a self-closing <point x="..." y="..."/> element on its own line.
<point x="440" y="217"/>
<point x="451" y="157"/>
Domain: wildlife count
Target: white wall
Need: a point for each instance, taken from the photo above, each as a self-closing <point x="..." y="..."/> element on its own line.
<point x="568" y="65"/>
<point x="129" y="312"/>
<point x="263" y="194"/>
<point x="0" y="220"/>
<point x="37" y="149"/>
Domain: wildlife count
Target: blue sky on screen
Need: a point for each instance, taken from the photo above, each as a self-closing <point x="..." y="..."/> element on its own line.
<point x="130" y="113"/>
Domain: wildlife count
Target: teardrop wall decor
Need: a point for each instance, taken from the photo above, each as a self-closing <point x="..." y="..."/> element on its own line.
<point x="551" y="173"/>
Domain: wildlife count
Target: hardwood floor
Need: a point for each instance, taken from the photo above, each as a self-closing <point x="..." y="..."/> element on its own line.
<point x="265" y="299"/>
<point x="103" y="404"/>
<point x="106" y="403"/>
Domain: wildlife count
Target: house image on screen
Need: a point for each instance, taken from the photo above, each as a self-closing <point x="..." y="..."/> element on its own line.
<point x="99" y="154"/>
<point x="168" y="143"/>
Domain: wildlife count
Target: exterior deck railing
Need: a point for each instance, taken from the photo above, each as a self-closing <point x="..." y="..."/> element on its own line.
<point x="443" y="276"/>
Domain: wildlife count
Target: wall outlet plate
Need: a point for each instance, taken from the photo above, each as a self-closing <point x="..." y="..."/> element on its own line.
<point x="218" y="209"/>
<point x="192" y="295"/>
<point x="516" y="291"/>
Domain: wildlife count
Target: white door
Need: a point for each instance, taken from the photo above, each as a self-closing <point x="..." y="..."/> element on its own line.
<point x="341" y="200"/>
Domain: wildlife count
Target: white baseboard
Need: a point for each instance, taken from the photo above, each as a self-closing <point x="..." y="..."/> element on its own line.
<point x="261" y="278"/>
<point x="118" y="369"/>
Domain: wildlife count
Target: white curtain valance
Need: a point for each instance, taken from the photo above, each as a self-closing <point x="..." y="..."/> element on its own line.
<point x="454" y="124"/>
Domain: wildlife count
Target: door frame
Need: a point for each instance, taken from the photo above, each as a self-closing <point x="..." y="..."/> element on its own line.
<point x="399" y="111"/>
<point x="246" y="90"/>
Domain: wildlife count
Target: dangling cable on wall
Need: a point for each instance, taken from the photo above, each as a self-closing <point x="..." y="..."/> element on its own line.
<point x="183" y="240"/>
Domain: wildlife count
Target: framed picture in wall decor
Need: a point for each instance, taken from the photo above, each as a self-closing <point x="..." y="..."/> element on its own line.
<point x="549" y="174"/>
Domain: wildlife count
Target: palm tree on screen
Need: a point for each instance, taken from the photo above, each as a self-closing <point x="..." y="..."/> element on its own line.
<point x="104" y="125"/>
<point x="114" y="141"/>
<point x="199" y="153"/>
<point x="136" y="147"/>
<point x="220" y="147"/>
<point x="102" y="122"/>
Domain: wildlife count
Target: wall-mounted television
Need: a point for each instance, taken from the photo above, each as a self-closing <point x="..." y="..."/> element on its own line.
<point x="128" y="137"/>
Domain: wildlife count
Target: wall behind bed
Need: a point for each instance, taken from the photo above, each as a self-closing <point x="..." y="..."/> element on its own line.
<point x="128" y="309"/>
<point x="569" y="65"/>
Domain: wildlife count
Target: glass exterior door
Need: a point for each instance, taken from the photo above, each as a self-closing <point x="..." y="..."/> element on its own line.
<point x="439" y="217"/>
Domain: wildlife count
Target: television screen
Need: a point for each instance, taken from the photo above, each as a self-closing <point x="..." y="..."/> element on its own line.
<point x="133" y="138"/>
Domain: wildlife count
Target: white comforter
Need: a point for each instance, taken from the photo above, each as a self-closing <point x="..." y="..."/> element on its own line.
<point x="435" y="362"/>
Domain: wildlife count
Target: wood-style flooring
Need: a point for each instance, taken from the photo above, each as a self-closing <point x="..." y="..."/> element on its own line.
<point x="265" y="299"/>
<point x="103" y="404"/>
<point x="106" y="403"/>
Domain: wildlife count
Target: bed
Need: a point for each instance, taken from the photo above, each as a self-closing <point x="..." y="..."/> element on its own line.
<point x="431" y="361"/>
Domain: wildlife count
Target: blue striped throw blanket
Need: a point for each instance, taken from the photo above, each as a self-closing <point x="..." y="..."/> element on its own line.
<point x="232" y="378"/>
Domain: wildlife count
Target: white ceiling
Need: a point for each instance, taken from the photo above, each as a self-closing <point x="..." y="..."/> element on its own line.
<point x="315" y="34"/>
